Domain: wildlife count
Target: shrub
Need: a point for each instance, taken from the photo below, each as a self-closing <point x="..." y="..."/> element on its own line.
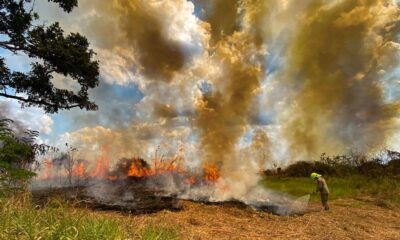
<point x="18" y="152"/>
<point x="299" y="169"/>
<point x="393" y="167"/>
<point x="324" y="169"/>
<point x="372" y="169"/>
<point x="385" y="163"/>
<point x="304" y="168"/>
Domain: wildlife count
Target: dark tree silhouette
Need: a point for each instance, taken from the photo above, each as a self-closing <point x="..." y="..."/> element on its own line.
<point x="52" y="52"/>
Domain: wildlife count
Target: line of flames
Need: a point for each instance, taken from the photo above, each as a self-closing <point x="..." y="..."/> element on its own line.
<point x="136" y="169"/>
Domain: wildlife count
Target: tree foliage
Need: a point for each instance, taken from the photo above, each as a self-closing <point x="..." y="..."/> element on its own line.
<point x="18" y="151"/>
<point x="52" y="52"/>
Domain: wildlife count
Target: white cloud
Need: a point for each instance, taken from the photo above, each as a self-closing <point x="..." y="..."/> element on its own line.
<point x="30" y="118"/>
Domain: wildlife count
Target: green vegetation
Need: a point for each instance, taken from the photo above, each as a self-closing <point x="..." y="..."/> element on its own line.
<point x="353" y="175"/>
<point x="384" y="188"/>
<point x="51" y="52"/>
<point x="383" y="163"/>
<point x="18" y="152"/>
<point x="20" y="219"/>
<point x="156" y="233"/>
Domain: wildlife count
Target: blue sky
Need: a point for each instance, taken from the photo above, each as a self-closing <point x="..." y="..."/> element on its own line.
<point x="116" y="102"/>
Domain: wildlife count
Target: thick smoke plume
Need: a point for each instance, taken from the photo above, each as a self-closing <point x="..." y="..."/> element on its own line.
<point x="335" y="64"/>
<point x="205" y="68"/>
<point x="159" y="56"/>
<point x="223" y="113"/>
<point x="222" y="15"/>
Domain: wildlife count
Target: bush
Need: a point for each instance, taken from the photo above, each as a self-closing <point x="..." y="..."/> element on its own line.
<point x="348" y="165"/>
<point x="18" y="152"/>
<point x="372" y="169"/>
<point x="299" y="169"/>
<point x="393" y="167"/>
<point x="324" y="169"/>
<point x="304" y="169"/>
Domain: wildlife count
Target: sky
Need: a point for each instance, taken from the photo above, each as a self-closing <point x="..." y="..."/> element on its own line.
<point x="273" y="81"/>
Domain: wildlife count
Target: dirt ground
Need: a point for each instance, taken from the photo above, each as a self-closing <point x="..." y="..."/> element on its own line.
<point x="347" y="219"/>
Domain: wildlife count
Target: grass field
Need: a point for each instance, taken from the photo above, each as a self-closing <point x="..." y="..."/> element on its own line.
<point x="20" y="219"/>
<point x="385" y="188"/>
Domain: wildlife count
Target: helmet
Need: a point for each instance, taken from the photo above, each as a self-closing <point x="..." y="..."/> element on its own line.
<point x="315" y="175"/>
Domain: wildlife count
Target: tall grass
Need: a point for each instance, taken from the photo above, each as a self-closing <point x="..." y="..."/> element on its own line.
<point x="19" y="219"/>
<point x="386" y="188"/>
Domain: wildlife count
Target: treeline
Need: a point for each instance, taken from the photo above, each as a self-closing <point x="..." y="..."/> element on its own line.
<point x="385" y="163"/>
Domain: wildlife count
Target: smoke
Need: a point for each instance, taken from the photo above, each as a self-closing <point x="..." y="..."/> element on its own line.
<point x="211" y="72"/>
<point x="260" y="147"/>
<point x="334" y="65"/>
<point x="152" y="44"/>
<point x="222" y="16"/>
<point x="224" y="110"/>
<point x="159" y="56"/>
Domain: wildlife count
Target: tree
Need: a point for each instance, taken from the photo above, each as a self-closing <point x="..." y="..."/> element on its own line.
<point x="53" y="53"/>
<point x="18" y="153"/>
<point x="70" y="162"/>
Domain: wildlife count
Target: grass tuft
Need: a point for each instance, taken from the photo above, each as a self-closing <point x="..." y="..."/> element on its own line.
<point x="156" y="233"/>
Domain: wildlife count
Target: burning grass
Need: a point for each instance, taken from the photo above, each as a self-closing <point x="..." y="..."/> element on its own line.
<point x="136" y="185"/>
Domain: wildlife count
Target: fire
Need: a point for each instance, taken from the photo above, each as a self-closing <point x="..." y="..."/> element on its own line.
<point x="48" y="169"/>
<point x="138" y="169"/>
<point x="192" y="180"/>
<point x="79" y="170"/>
<point x="102" y="165"/>
<point x="211" y="173"/>
<point x="167" y="166"/>
<point x="112" y="178"/>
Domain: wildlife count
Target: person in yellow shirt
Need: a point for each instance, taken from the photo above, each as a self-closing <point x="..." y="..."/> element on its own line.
<point x="322" y="188"/>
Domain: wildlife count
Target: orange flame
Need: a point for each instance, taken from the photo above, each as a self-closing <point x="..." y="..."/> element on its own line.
<point x="112" y="178"/>
<point x="138" y="170"/>
<point x="211" y="173"/>
<point x="48" y="169"/>
<point x="79" y="170"/>
<point x="191" y="180"/>
<point x="102" y="165"/>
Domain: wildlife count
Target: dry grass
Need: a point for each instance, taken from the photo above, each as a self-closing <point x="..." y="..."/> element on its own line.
<point x="348" y="219"/>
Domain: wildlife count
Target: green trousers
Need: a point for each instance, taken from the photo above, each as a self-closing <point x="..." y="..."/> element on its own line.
<point x="324" y="200"/>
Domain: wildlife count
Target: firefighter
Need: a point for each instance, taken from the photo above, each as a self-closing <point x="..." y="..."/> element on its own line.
<point x="322" y="188"/>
